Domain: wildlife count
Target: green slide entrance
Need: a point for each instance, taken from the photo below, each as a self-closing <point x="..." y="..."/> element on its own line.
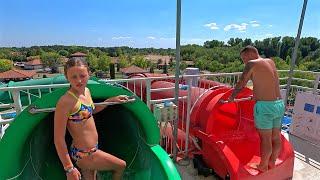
<point x="128" y="131"/>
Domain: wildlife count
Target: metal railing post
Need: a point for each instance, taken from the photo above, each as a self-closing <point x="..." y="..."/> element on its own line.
<point x="316" y="84"/>
<point x="16" y="101"/>
<point x="1" y="128"/>
<point x="148" y="93"/>
<point x="177" y="75"/>
<point x="189" y="81"/>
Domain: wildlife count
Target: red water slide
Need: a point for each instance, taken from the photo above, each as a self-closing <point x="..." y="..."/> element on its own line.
<point x="229" y="139"/>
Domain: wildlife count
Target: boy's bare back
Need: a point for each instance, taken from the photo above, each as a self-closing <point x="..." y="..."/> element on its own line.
<point x="265" y="80"/>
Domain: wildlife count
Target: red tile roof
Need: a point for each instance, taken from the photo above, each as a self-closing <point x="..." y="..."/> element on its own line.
<point x="16" y="74"/>
<point x="78" y="54"/>
<point x="34" y="62"/>
<point x="132" y="69"/>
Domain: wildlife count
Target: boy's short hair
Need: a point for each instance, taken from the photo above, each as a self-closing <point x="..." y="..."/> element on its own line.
<point x="249" y="49"/>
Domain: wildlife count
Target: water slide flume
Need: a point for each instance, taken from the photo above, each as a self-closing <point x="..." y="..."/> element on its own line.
<point x="128" y="131"/>
<point x="226" y="131"/>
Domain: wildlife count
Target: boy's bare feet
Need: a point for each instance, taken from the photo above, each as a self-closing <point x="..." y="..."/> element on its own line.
<point x="272" y="164"/>
<point x="261" y="168"/>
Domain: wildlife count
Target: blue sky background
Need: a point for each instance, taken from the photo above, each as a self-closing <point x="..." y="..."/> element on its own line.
<point x="149" y="23"/>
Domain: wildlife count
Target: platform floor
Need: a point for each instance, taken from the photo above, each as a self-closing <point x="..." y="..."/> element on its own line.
<point x="306" y="165"/>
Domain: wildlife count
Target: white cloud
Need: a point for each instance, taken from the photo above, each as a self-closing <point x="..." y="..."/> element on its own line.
<point x="270" y="25"/>
<point x="240" y="27"/>
<point x="121" y="37"/>
<point x="151" y="37"/>
<point x="164" y="38"/>
<point x="269" y="35"/>
<point x="212" y="26"/>
<point x="255" y="25"/>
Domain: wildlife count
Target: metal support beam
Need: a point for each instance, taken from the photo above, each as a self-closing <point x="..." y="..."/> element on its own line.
<point x="189" y="82"/>
<point x="177" y="74"/>
<point x="295" y="51"/>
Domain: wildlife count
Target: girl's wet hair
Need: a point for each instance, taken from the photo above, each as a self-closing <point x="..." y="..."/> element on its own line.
<point x="75" y="61"/>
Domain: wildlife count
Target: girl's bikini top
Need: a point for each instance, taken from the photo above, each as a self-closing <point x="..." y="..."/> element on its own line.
<point x="84" y="111"/>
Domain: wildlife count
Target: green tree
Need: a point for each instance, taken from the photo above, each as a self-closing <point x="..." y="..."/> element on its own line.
<point x="63" y="53"/>
<point x="213" y="43"/>
<point x="97" y="52"/>
<point x="5" y="65"/>
<point x="183" y="65"/>
<point x="140" y="61"/>
<point x="247" y="42"/>
<point x="280" y="63"/>
<point x="92" y="62"/>
<point x="123" y="62"/>
<point x="52" y="60"/>
<point x="287" y="44"/>
<point x="103" y="63"/>
<point x="201" y="63"/>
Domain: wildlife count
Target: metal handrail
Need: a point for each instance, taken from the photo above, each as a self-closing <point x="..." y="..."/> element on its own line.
<point x="35" y="110"/>
<point x="166" y="99"/>
<point x="6" y="121"/>
<point x="34" y="87"/>
<point x="6" y="106"/>
<point x="237" y="100"/>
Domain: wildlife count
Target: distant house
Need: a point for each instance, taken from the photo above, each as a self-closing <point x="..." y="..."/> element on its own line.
<point x="78" y="54"/>
<point x="159" y="60"/>
<point x="33" y="64"/>
<point x="132" y="70"/>
<point x="16" y="75"/>
<point x="189" y="63"/>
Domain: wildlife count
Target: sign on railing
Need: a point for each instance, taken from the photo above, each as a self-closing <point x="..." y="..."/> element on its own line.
<point x="306" y="117"/>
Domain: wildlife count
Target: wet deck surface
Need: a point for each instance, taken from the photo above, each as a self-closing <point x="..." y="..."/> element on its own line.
<point x="306" y="165"/>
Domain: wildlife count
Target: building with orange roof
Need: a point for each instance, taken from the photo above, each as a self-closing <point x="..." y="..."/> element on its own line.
<point x="132" y="70"/>
<point x="33" y="64"/>
<point x="16" y="75"/>
<point x="78" y="54"/>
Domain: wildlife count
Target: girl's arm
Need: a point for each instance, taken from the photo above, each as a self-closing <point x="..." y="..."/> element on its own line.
<point x="120" y="98"/>
<point x="60" y="124"/>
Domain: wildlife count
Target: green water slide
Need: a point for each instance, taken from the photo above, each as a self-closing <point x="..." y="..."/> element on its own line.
<point x="128" y="131"/>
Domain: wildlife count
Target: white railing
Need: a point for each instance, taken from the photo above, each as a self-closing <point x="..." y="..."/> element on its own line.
<point x="143" y="89"/>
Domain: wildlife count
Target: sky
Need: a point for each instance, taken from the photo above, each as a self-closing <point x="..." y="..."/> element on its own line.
<point x="150" y="23"/>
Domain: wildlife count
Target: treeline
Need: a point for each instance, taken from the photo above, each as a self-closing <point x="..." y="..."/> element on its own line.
<point x="218" y="56"/>
<point x="214" y="56"/>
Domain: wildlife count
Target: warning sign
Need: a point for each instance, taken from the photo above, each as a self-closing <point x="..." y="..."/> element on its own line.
<point x="306" y="117"/>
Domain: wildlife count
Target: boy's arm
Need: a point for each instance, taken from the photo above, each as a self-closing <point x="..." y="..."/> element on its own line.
<point x="245" y="76"/>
